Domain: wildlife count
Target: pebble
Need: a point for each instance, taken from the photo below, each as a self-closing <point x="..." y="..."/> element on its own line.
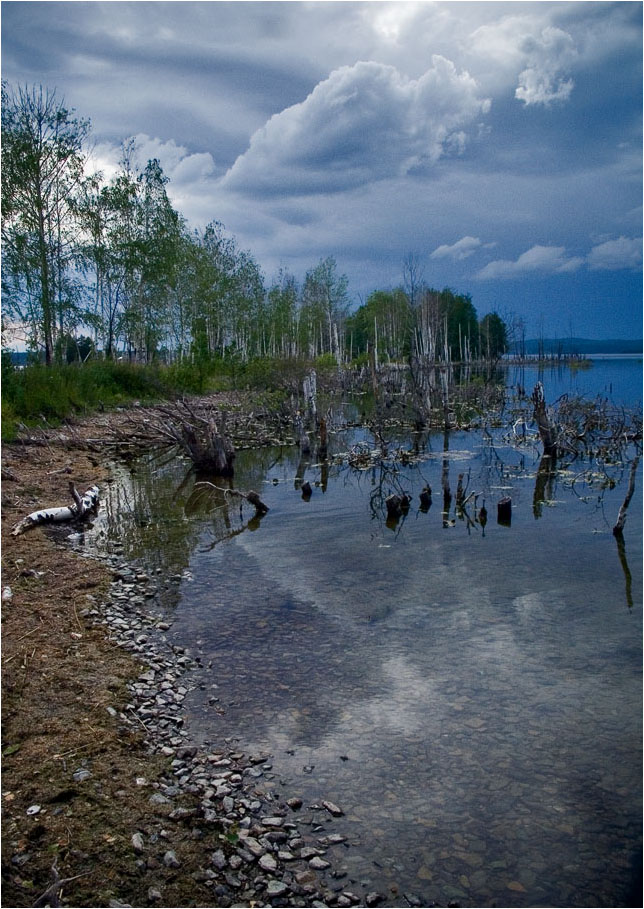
<point x="137" y="842"/>
<point x="170" y="859"/>
<point x="268" y="862"/>
<point x="80" y="775"/>
<point x="331" y="808"/>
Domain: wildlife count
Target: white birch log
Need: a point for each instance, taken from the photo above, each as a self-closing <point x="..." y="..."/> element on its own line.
<point x="82" y="506"/>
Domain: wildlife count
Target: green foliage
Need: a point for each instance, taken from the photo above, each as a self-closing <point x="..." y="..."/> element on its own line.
<point x="384" y="321"/>
<point x="57" y="392"/>
<point x="494" y="336"/>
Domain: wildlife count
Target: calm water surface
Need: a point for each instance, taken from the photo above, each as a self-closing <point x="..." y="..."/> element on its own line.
<point x="470" y="697"/>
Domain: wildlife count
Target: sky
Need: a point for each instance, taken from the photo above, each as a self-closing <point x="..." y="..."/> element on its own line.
<point x="498" y="144"/>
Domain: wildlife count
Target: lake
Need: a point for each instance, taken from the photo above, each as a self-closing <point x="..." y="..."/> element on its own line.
<point x="469" y="695"/>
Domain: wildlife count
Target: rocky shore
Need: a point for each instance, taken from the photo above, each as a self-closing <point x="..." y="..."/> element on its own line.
<point x="106" y="800"/>
<point x="256" y="850"/>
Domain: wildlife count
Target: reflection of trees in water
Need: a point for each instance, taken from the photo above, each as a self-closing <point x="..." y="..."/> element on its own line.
<point x="144" y="512"/>
<point x="155" y="512"/>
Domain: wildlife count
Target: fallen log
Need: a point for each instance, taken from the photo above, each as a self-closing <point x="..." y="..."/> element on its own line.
<point x="82" y="507"/>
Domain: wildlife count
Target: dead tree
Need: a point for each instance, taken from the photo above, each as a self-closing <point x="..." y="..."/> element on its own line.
<point x="83" y="506"/>
<point x="618" y="529"/>
<point x="310" y="391"/>
<point x="204" y="439"/>
<point x="208" y="446"/>
<point x="547" y="431"/>
<point x="302" y="436"/>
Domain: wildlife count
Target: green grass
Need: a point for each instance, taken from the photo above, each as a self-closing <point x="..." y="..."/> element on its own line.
<point x="56" y="392"/>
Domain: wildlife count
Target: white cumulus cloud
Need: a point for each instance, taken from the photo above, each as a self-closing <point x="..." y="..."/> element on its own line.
<point x="614" y="255"/>
<point x="541" y="259"/>
<point x="458" y="251"/>
<point x="541" y="56"/>
<point x="364" y="123"/>
<point x="549" y="57"/>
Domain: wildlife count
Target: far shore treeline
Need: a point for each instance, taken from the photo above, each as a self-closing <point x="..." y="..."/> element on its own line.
<point x="94" y="266"/>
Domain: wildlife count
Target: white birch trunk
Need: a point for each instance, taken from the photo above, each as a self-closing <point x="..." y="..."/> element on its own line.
<point x="82" y="506"/>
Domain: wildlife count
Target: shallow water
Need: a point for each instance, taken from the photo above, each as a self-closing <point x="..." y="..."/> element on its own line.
<point x="471" y="697"/>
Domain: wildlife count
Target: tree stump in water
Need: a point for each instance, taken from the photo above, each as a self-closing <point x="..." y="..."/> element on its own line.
<point x="211" y="450"/>
<point x="322" y="450"/>
<point x="397" y="505"/>
<point x="547" y="431"/>
<point x="504" y="511"/>
<point x="426" y="498"/>
<point x="306" y="490"/>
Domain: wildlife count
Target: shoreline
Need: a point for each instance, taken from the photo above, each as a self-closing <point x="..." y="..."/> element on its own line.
<point x="134" y="814"/>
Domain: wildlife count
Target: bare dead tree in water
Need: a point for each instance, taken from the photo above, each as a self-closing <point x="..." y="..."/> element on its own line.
<point x="618" y="529"/>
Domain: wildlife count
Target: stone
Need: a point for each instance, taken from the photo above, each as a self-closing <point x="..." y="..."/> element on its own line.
<point x="319" y="864"/>
<point x="137" y="842"/>
<point x="170" y="859"/>
<point x="80" y="775"/>
<point x="332" y="808"/>
<point x="253" y="846"/>
<point x="276" y="888"/>
<point x="218" y="859"/>
<point x="305" y="877"/>
<point x="267" y="862"/>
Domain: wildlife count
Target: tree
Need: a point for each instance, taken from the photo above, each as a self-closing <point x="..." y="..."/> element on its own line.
<point x="324" y="307"/>
<point x="281" y="316"/>
<point x="42" y="169"/>
<point x="383" y="323"/>
<point x="494" y="336"/>
<point x="412" y="276"/>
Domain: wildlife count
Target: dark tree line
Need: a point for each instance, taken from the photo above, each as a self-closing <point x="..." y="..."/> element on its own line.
<point x="111" y="266"/>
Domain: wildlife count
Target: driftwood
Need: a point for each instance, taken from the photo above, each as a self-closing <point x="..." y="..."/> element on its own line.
<point x="251" y="496"/>
<point x="82" y="507"/>
<point x="51" y="894"/>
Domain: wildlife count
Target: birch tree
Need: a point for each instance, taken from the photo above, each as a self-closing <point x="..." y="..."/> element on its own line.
<point x="42" y="170"/>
